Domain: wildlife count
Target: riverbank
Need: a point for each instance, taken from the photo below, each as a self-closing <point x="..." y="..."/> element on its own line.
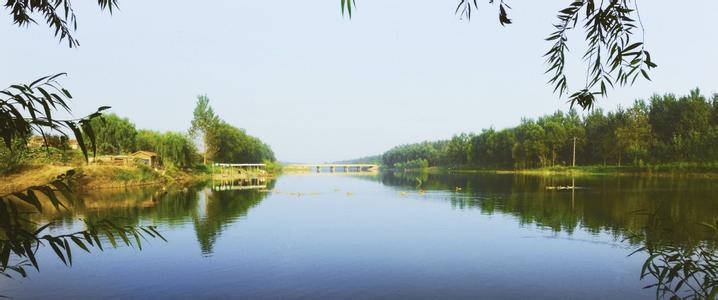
<point x="663" y="170"/>
<point x="97" y="176"/>
<point x="94" y="177"/>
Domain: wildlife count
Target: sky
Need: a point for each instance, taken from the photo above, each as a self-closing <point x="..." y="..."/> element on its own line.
<point x="320" y="87"/>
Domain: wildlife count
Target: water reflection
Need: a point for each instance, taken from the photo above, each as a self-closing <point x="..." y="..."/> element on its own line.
<point x="210" y="207"/>
<point x="666" y="219"/>
<point x="615" y="204"/>
<point x="662" y="218"/>
<point x="239" y="184"/>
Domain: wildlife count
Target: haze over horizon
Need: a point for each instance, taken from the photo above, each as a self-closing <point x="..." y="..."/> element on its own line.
<point x="319" y="87"/>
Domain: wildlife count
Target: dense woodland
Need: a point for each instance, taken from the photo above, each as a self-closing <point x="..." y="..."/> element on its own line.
<point x="663" y="130"/>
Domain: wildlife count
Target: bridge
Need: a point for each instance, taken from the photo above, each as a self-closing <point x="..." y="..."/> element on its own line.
<point x="335" y="167"/>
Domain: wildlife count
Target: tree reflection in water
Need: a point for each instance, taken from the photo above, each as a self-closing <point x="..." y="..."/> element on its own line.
<point x="669" y="221"/>
<point x="679" y="270"/>
<point x="663" y="219"/>
<point x="205" y="205"/>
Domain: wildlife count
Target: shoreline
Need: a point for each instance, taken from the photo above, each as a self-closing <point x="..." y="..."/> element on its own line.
<point x="106" y="177"/>
<point x="650" y="171"/>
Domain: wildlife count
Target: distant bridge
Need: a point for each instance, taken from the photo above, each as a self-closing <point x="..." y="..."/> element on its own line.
<point x="335" y="167"/>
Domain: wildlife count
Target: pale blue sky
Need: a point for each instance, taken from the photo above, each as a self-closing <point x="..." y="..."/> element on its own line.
<point x="319" y="87"/>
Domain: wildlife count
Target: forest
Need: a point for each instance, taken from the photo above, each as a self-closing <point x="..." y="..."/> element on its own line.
<point x="665" y="129"/>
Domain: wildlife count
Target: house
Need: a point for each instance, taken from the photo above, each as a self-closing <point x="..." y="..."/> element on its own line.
<point x="148" y="158"/>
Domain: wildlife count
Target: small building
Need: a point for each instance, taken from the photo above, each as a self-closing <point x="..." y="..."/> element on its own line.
<point x="148" y="158"/>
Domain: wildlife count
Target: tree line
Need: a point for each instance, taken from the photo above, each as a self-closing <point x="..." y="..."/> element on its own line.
<point x="224" y="143"/>
<point x="665" y="129"/>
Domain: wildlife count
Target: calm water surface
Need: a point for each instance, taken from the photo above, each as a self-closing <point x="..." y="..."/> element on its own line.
<point x="323" y="236"/>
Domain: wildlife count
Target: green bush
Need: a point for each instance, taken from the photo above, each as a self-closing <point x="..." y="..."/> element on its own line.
<point x="415" y="164"/>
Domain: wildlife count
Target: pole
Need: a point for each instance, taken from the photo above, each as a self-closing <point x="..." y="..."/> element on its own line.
<point x="574" y="151"/>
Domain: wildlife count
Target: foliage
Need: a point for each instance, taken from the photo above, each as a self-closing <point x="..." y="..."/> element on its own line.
<point x="25" y="108"/>
<point x="114" y="135"/>
<point x="148" y="140"/>
<point x="58" y="14"/>
<point x="272" y="166"/>
<point x="235" y="146"/>
<point x="426" y="151"/>
<point x="416" y="164"/>
<point x="175" y="148"/>
<point x="682" y="271"/>
<point x="373" y="159"/>
<point x="666" y="130"/>
<point x="11" y="158"/>
<point x="679" y="270"/>
<point x="202" y="124"/>
<point x="224" y="142"/>
<point x="611" y="57"/>
<point x="21" y="239"/>
<point x="141" y="173"/>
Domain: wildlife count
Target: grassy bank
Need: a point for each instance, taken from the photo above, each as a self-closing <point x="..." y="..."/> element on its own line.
<point x="92" y="177"/>
<point x="676" y="169"/>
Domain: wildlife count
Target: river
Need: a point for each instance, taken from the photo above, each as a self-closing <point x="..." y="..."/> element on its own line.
<point x="386" y="235"/>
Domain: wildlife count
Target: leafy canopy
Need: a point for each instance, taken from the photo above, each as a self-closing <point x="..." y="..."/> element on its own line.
<point x="57" y="14"/>
<point x="28" y="108"/>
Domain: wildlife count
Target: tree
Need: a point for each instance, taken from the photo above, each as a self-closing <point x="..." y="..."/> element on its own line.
<point x="633" y="136"/>
<point x="233" y="145"/>
<point x="25" y="108"/>
<point x="600" y="145"/>
<point x="177" y="149"/>
<point x="612" y="57"/>
<point x="205" y="120"/>
<point x="114" y="135"/>
<point x="148" y="140"/>
<point x="556" y="136"/>
<point x="530" y="149"/>
<point x="457" y="149"/>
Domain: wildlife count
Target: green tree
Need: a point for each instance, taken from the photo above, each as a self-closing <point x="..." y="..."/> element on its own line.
<point x="457" y="149"/>
<point x="204" y="121"/>
<point x="634" y="135"/>
<point x="177" y="149"/>
<point x="233" y="145"/>
<point x="530" y="149"/>
<point x="600" y="140"/>
<point x="114" y="134"/>
<point x="555" y="135"/>
<point x="148" y="140"/>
